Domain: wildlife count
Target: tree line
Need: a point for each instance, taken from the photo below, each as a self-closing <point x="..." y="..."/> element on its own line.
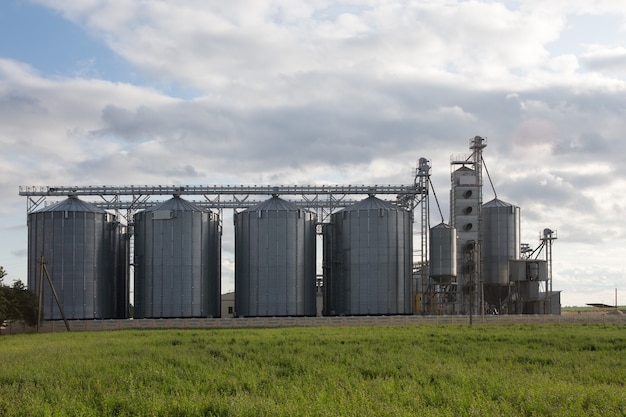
<point x="17" y="302"/>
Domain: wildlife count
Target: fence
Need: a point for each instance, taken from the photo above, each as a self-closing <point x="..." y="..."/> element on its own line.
<point x="261" y="322"/>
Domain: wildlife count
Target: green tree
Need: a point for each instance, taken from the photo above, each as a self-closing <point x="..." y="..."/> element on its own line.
<point x="4" y="303"/>
<point x="17" y="302"/>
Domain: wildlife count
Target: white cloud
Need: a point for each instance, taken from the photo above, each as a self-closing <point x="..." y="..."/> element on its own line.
<point x="610" y="60"/>
<point x="564" y="64"/>
<point x="218" y="47"/>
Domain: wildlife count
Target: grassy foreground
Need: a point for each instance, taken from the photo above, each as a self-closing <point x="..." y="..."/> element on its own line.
<point x="516" y="370"/>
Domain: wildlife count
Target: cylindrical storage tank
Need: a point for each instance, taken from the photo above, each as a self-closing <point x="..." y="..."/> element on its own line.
<point x="443" y="257"/>
<point x="501" y="240"/>
<point x="177" y="261"/>
<point x="80" y="246"/>
<point x="275" y="260"/>
<point x="370" y="266"/>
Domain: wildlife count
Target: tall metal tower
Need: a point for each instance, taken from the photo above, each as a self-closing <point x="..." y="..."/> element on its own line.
<point x="465" y="212"/>
<point x="546" y="240"/>
<point x="423" y="185"/>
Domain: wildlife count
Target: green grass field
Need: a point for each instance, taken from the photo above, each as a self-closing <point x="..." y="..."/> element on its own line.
<point x="450" y="370"/>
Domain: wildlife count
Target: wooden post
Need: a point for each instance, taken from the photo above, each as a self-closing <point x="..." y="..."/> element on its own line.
<point x="39" y="309"/>
<point x="54" y="293"/>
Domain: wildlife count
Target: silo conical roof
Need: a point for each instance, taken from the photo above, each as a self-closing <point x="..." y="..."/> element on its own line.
<point x="371" y="203"/>
<point x="275" y="203"/>
<point x="442" y="226"/>
<point x="73" y="204"/>
<point x="496" y="203"/>
<point x="176" y="204"/>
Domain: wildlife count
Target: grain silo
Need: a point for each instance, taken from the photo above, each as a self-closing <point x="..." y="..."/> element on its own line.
<point x="443" y="257"/>
<point x="177" y="261"/>
<point x="275" y="260"/>
<point x="83" y="248"/>
<point x="501" y="240"/>
<point x="368" y="260"/>
<point x="501" y="243"/>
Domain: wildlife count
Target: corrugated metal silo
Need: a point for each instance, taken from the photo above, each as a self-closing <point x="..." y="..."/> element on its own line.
<point x="501" y="240"/>
<point x="368" y="260"/>
<point x="275" y="260"/>
<point x="177" y="261"/>
<point x="443" y="256"/>
<point x="82" y="247"/>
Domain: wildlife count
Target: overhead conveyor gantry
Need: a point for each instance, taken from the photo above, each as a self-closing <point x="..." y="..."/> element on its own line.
<point x="324" y="199"/>
<point x="126" y="200"/>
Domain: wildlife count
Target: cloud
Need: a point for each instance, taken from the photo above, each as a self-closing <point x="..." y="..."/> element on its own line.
<point x="217" y="47"/>
<point x="606" y="59"/>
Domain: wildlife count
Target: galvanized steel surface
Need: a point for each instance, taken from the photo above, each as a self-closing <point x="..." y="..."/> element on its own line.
<point x="528" y="270"/>
<point x="443" y="257"/>
<point x="83" y="248"/>
<point x="177" y="261"/>
<point x="501" y="240"/>
<point x="368" y="260"/>
<point x="275" y="260"/>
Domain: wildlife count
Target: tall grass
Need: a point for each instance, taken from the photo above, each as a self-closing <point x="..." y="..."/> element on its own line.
<point x="516" y="370"/>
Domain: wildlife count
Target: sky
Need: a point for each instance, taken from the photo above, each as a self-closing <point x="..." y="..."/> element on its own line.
<point x="271" y="92"/>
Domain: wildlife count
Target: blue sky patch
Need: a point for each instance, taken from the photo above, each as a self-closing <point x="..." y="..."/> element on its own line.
<point x="55" y="46"/>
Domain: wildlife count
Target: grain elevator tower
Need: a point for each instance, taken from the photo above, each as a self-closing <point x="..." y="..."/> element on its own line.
<point x="465" y="214"/>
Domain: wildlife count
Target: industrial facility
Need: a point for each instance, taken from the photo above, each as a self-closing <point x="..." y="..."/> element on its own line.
<point x="476" y="264"/>
<point x="379" y="254"/>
